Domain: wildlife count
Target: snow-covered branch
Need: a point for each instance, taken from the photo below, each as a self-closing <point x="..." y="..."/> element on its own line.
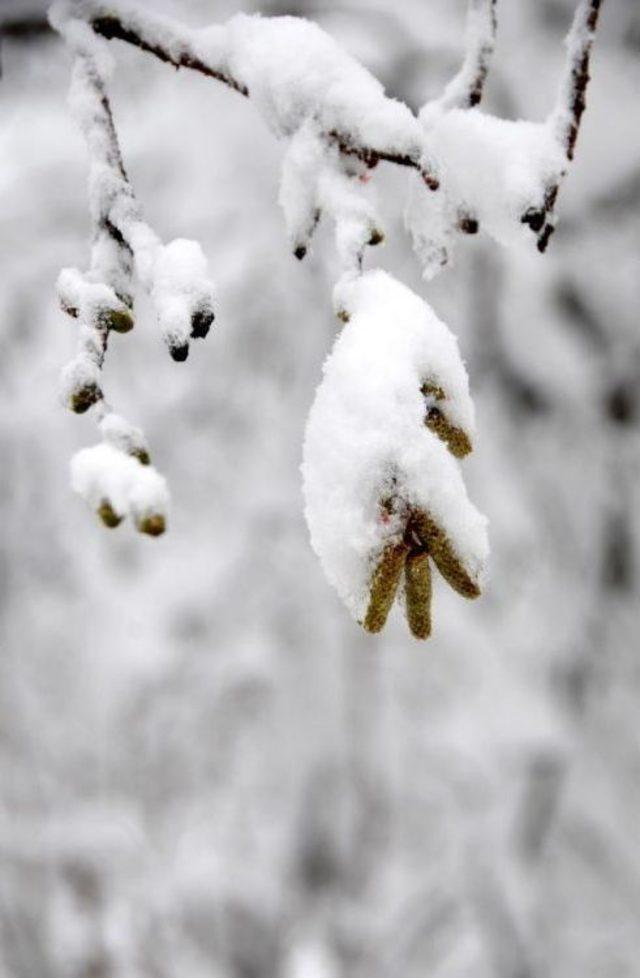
<point x="250" y="53"/>
<point x="393" y="414"/>
<point x="465" y="89"/>
<point x="572" y="97"/>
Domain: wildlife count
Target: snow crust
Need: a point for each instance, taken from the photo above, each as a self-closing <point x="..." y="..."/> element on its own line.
<point x="366" y="438"/>
<point x="175" y="274"/>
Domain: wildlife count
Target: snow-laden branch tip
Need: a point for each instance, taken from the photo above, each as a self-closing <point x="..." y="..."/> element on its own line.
<point x="114" y="477"/>
<point x="500" y="176"/>
<point x="380" y="481"/>
<point x="173" y="274"/>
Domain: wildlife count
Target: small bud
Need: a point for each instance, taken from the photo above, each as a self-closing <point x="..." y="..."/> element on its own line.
<point x="201" y="323"/>
<point x="535" y="218"/>
<point x="468" y="224"/>
<point x="70" y="310"/>
<point x="377" y="237"/>
<point x="108" y="515"/>
<point x="153" y="525"/>
<point x="142" y="455"/>
<point x="432" y="182"/>
<point x="119" y="320"/>
<point x="300" y="252"/>
<point x="84" y="397"/>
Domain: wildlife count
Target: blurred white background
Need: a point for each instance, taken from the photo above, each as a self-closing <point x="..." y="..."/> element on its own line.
<point x="207" y="770"/>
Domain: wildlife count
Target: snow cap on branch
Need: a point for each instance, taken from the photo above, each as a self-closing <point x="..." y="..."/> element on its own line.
<point x="296" y="72"/>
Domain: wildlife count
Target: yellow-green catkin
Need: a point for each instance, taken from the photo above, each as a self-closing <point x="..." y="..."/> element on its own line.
<point x="384" y="585"/>
<point x="456" y="439"/>
<point x="417" y="586"/>
<point x="445" y="557"/>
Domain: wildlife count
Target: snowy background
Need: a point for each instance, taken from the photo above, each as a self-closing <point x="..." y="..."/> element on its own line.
<point x="206" y="769"/>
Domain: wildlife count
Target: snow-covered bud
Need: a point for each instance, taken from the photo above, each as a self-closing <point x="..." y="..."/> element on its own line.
<point x="80" y="384"/>
<point x="93" y="302"/>
<point x="153" y="524"/>
<point x="108" y="515"/>
<point x="182" y="294"/>
<point x="116" y="485"/>
<point x="117" y="432"/>
<point x="201" y="320"/>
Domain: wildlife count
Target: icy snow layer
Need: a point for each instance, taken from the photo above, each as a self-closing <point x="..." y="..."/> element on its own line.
<point x="493" y="171"/>
<point x="366" y="436"/>
<point x="105" y="476"/>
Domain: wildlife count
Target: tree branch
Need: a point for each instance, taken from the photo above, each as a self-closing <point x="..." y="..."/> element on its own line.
<point x="572" y="98"/>
<point x="181" y="47"/>
<point x="111" y="27"/>
<point x="466" y="88"/>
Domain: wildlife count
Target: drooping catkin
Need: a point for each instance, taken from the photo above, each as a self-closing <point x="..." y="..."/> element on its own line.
<point x="384" y="584"/>
<point x="444" y="555"/>
<point x="417" y="584"/>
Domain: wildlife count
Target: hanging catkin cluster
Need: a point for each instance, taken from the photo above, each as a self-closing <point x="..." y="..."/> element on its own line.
<point x="392" y="417"/>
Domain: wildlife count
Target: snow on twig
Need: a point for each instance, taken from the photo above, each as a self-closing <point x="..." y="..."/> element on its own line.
<point x="499" y="176"/>
<point x="255" y="56"/>
<point x="572" y="96"/>
<point x="465" y="89"/>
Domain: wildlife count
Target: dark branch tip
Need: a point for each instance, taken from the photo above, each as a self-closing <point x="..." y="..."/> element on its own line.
<point x="179" y="353"/>
<point x="201" y="323"/>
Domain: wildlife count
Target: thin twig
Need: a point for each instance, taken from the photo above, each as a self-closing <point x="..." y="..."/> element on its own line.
<point x="572" y="99"/>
